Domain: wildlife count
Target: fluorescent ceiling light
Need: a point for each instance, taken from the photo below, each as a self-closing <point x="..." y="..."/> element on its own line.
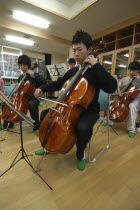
<point x="7" y="53"/>
<point x="123" y="66"/>
<point x="19" y="40"/>
<point x="126" y="55"/>
<point x="30" y="19"/>
<point x="3" y="61"/>
<point x="108" y="62"/>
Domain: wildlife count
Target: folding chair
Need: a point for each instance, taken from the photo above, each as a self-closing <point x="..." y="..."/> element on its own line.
<point x="104" y="100"/>
<point x="8" y="89"/>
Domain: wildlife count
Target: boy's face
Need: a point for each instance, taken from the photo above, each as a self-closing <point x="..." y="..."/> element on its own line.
<point x="72" y="65"/>
<point x="133" y="73"/>
<point x="80" y="52"/>
<point x="23" y="67"/>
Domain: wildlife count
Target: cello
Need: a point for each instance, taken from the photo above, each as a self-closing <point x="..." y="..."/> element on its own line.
<point x="119" y="109"/>
<point x="20" y="97"/>
<point x="57" y="131"/>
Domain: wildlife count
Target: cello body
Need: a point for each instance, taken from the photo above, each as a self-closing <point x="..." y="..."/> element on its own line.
<point x="20" y="99"/>
<point x="119" y="109"/>
<point x="19" y="102"/>
<point x="57" y="132"/>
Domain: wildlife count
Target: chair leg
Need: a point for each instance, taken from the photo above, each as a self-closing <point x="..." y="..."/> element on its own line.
<point x="98" y="127"/>
<point x="108" y="124"/>
<point x="93" y="160"/>
<point x="114" y="130"/>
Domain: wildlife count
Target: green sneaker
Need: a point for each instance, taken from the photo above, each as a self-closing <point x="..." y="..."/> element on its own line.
<point x="131" y="134"/>
<point x="41" y="152"/>
<point x="1" y="127"/>
<point x="104" y="124"/>
<point x="36" y="132"/>
<point x="81" y="164"/>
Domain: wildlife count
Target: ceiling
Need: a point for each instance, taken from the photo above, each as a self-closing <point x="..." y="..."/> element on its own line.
<point x="67" y="9"/>
<point x="94" y="19"/>
<point x="68" y="2"/>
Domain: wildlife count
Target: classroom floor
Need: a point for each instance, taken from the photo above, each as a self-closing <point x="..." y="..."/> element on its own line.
<point x="111" y="183"/>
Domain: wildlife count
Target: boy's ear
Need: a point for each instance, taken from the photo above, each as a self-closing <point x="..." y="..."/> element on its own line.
<point x="90" y="49"/>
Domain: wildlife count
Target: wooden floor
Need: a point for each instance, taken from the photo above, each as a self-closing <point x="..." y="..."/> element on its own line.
<point x="112" y="183"/>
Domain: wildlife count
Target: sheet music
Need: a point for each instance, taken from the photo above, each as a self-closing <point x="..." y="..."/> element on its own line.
<point x="57" y="70"/>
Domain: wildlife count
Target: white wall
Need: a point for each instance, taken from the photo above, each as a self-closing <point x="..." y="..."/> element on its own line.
<point x="71" y="53"/>
<point x="57" y="58"/>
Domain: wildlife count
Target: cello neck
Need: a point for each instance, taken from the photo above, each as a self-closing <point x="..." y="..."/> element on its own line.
<point x="72" y="82"/>
<point x="18" y="86"/>
<point x="124" y="88"/>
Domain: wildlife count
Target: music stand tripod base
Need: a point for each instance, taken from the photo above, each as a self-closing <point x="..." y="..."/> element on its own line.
<point x="25" y="157"/>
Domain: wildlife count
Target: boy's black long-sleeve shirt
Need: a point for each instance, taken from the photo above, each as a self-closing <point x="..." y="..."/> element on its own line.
<point x="96" y="75"/>
<point x="34" y="78"/>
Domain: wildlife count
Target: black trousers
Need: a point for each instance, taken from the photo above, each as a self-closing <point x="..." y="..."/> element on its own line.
<point x="84" y="129"/>
<point x="33" y="104"/>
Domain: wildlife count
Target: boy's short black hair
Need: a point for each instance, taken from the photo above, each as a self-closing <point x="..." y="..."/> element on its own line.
<point x="82" y="37"/>
<point x="71" y="60"/>
<point x="24" y="59"/>
<point x="135" y="65"/>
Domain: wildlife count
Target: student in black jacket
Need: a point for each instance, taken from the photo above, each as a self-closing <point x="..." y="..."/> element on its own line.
<point x="97" y="76"/>
<point x="72" y="63"/>
<point x="24" y="63"/>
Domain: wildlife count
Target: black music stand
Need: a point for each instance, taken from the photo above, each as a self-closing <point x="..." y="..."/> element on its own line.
<point x="23" y="153"/>
<point x="57" y="71"/>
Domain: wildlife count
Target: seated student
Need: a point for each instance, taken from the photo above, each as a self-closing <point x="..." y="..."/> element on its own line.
<point x="98" y="77"/>
<point x="134" y="72"/>
<point x="71" y="63"/>
<point x="24" y="63"/>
